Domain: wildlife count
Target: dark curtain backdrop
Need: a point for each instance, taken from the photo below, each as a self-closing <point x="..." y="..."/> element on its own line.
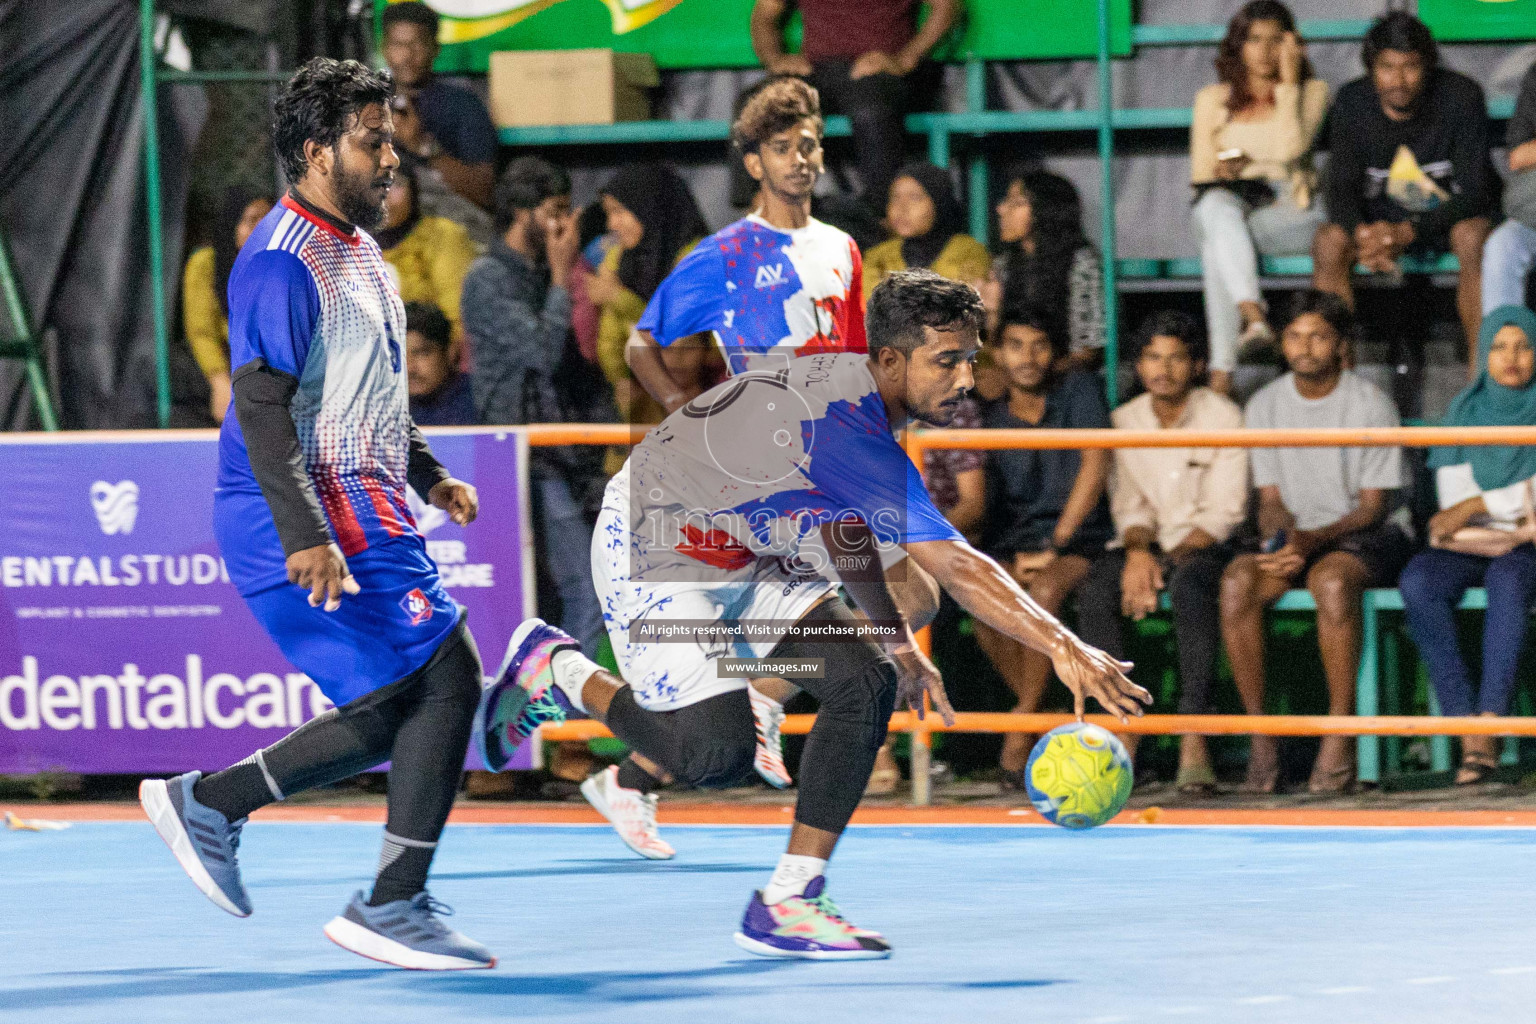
<point x="72" y="201"/>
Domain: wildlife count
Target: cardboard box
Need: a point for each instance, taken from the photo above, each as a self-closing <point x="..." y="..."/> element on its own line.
<point x="536" y="87"/>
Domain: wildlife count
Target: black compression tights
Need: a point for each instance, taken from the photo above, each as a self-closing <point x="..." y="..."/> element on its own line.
<point x="711" y="743"/>
<point x="419" y="724"/>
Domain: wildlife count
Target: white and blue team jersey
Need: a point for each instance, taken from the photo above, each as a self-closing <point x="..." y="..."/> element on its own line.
<point x="318" y="304"/>
<point x="765" y="294"/>
<point x="753" y="467"/>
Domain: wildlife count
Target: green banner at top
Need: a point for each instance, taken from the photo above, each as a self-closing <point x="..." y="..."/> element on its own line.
<point x="714" y="33"/>
<point x="1480" y="19"/>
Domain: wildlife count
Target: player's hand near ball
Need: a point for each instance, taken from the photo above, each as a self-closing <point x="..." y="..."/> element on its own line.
<point x="987" y="591"/>
<point x="460" y="500"/>
<point x="322" y="570"/>
<point x="1089" y="672"/>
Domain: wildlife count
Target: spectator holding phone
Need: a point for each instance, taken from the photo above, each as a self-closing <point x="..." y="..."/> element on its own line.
<point x="1324" y="514"/>
<point x="1481" y="537"/>
<point x="1250" y="150"/>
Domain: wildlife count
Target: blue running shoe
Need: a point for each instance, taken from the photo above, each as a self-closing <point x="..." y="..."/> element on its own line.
<point x="406" y="933"/>
<point x="807" y="927"/>
<point x="203" y="840"/>
<point x="524" y="695"/>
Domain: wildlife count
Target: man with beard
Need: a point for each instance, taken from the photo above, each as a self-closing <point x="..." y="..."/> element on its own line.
<point x="1408" y="168"/>
<point x="715" y="547"/>
<point x="311" y="518"/>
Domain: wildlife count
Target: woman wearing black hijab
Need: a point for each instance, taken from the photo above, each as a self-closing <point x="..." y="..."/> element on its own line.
<point x="655" y="222"/>
<point x="929" y="226"/>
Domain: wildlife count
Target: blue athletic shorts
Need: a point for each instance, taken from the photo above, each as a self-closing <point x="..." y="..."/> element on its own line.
<point x="378" y="636"/>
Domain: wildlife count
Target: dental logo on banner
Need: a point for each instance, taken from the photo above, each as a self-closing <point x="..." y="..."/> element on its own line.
<point x="116" y="505"/>
<point x="123" y="646"/>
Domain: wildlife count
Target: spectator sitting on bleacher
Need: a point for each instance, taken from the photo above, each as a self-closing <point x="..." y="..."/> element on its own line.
<point x="442" y="125"/>
<point x="427" y="256"/>
<point x="517" y="311"/>
<point x="1047" y="518"/>
<point x="1511" y="249"/>
<point x="1408" y="169"/>
<point x="655" y="222"/>
<point x="1480" y="486"/>
<point x="1047" y="262"/>
<point x="861" y="56"/>
<point x="1250" y="160"/>
<point x="205" y="290"/>
<point x="1175" y="510"/>
<point x="1324" y="518"/>
<point x="440" y="395"/>
<point x="929" y="227"/>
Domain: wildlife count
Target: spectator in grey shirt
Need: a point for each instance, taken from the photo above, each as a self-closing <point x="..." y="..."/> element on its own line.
<point x="517" y="312"/>
<point x="1324" y="516"/>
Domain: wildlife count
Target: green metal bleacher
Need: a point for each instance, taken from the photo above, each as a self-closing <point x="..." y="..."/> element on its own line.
<point x="1378" y="663"/>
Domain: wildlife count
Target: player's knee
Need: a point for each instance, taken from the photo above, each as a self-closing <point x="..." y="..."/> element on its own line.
<point x="860" y="703"/>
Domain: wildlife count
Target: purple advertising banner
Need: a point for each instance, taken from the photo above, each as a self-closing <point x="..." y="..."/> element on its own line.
<point x="123" y="646"/>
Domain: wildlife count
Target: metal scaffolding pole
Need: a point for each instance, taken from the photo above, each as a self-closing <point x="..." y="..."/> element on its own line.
<point x="1107" y="213"/>
<point x="147" y="89"/>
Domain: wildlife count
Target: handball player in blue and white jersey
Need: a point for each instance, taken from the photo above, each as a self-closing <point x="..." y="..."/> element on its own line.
<point x="719" y="539"/>
<point x="312" y="520"/>
<point x="775" y="286"/>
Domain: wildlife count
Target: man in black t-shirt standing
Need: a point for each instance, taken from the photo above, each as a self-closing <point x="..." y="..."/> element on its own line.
<point x="1408" y="169"/>
<point x="443" y="125"/>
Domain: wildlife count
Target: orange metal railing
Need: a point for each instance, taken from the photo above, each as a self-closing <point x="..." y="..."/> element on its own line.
<point x="916" y="442"/>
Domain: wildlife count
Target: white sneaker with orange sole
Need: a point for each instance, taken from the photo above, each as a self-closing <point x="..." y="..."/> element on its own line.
<point x="768" y="715"/>
<point x="631" y="812"/>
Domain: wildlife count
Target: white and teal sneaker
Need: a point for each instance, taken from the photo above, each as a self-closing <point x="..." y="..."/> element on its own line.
<point x="407" y="933"/>
<point x="203" y="840"/>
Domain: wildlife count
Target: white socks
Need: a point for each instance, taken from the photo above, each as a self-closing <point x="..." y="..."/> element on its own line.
<point x="791" y="877"/>
<point x="571" y="670"/>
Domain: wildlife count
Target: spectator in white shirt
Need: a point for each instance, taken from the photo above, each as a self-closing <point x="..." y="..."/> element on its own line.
<point x="1175" y="510"/>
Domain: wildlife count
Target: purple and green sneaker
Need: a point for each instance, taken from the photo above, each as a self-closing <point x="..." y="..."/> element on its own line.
<point x="524" y="695"/>
<point x="807" y="927"/>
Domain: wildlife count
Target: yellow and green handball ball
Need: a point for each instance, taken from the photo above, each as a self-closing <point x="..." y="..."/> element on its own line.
<point x="1078" y="776"/>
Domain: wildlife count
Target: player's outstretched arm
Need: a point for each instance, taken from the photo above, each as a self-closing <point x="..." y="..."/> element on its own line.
<point x="851" y="545"/>
<point x="982" y="588"/>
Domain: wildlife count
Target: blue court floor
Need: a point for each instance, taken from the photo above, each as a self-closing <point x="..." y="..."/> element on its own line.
<point x="1023" y="925"/>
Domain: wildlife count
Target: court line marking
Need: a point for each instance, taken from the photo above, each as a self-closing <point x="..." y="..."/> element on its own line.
<point x="684" y="814"/>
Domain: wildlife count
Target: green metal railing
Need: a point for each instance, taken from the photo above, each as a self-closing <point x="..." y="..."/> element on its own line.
<point x="23" y="343"/>
<point x="939" y="128"/>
